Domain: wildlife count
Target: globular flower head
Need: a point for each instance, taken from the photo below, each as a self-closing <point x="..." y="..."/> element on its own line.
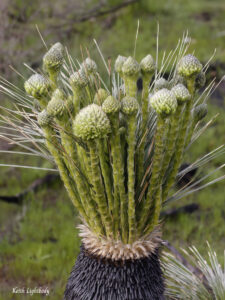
<point x="89" y="66"/>
<point x="147" y="65"/>
<point x="100" y="96"/>
<point x="119" y="63"/>
<point x="200" y="111"/>
<point x="131" y="67"/>
<point x="78" y="79"/>
<point x="200" y="80"/>
<point x="129" y="105"/>
<point x="53" y="59"/>
<point x="164" y="102"/>
<point x="161" y="83"/>
<point x="56" y="107"/>
<point x="37" y="86"/>
<point x="91" y="123"/>
<point x="111" y="105"/>
<point x="58" y="93"/>
<point x="44" y="119"/>
<point x="189" y="66"/>
<point x="181" y="92"/>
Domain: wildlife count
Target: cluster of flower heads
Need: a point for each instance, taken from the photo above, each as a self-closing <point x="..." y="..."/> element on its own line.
<point x="117" y="153"/>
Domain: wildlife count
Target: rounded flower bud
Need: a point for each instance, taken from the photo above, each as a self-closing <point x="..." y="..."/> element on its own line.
<point x="129" y="105"/>
<point x="89" y="66"/>
<point x="58" y="93"/>
<point x="100" y="96"/>
<point x="111" y="105"/>
<point x="53" y="59"/>
<point x="181" y="92"/>
<point x="37" y="86"/>
<point x="200" y="112"/>
<point x="164" y="102"/>
<point x="56" y="107"/>
<point x="161" y="83"/>
<point x="189" y="66"/>
<point x="200" y="80"/>
<point x="44" y="119"/>
<point x="119" y="63"/>
<point x="91" y="123"/>
<point x="147" y="65"/>
<point x="130" y="67"/>
<point x="78" y="79"/>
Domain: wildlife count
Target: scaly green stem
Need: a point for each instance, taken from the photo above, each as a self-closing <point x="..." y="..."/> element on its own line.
<point x="99" y="189"/>
<point x="53" y="146"/>
<point x="190" y="131"/>
<point x="53" y="76"/>
<point x="104" y="162"/>
<point x="78" y="98"/>
<point x="130" y="85"/>
<point x="131" y="177"/>
<point x="171" y="140"/>
<point x="144" y="105"/>
<point x="155" y="174"/>
<point x="90" y="89"/>
<point x="180" y="142"/>
<point x="72" y="161"/>
<point x="156" y="212"/>
<point x="120" y="199"/>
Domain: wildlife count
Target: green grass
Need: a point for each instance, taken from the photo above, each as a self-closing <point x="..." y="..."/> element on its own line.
<point x="40" y="249"/>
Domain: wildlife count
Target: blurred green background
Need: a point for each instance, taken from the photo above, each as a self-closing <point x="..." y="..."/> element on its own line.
<point x="38" y="239"/>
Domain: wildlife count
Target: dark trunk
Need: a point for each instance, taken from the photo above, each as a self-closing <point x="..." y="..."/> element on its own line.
<point x="93" y="278"/>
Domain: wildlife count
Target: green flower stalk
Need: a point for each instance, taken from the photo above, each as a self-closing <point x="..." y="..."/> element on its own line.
<point x="78" y="82"/>
<point x="53" y="61"/>
<point x="92" y="124"/>
<point x="164" y="102"/>
<point x="129" y="107"/>
<point x="111" y="107"/>
<point x="147" y="69"/>
<point x="188" y="67"/>
<point x="131" y="70"/>
<point x="56" y="109"/>
<point x="182" y="95"/>
<point x="39" y="87"/>
<point x="44" y="120"/>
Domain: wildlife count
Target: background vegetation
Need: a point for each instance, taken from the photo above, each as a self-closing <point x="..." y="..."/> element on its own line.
<point x="38" y="238"/>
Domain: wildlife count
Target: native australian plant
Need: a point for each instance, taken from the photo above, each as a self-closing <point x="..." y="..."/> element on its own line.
<point x="206" y="280"/>
<point x="118" y="150"/>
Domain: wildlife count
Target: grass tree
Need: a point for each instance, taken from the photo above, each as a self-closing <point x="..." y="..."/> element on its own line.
<point x="118" y="153"/>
